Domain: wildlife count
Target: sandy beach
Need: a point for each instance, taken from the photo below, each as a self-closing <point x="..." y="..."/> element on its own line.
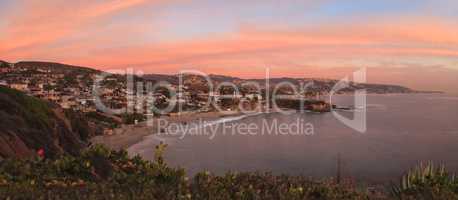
<point x="128" y="135"/>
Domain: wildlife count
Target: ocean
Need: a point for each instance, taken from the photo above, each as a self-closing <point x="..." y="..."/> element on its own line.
<point x="403" y="130"/>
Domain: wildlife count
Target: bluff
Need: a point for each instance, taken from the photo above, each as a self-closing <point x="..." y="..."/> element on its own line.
<point x="28" y="124"/>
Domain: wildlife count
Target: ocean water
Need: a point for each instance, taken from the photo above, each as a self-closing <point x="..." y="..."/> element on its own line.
<point x="402" y="131"/>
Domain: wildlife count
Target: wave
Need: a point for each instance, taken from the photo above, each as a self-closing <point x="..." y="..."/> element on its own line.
<point x="223" y="120"/>
<point x="152" y="140"/>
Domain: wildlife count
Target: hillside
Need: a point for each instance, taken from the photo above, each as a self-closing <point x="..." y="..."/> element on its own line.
<point x="319" y="85"/>
<point x="57" y="67"/>
<point x="28" y="124"/>
<point x="3" y="63"/>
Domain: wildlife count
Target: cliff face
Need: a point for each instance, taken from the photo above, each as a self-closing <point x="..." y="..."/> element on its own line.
<point x="28" y="124"/>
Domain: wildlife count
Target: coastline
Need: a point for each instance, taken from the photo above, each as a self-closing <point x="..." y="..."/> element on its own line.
<point x="129" y="135"/>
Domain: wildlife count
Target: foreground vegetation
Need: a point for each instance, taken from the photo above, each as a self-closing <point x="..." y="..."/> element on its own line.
<point x="98" y="173"/>
<point x="427" y="182"/>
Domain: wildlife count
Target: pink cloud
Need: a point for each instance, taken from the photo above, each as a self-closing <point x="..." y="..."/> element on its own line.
<point x="248" y="47"/>
<point x="40" y="23"/>
<point x="41" y="30"/>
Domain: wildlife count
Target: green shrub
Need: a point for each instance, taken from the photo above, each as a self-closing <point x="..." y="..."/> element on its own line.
<point x="36" y="112"/>
<point x="98" y="173"/>
<point x="131" y="118"/>
<point x="427" y="182"/>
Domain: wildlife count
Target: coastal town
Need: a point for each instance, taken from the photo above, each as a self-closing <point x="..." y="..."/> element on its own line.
<point x="72" y="87"/>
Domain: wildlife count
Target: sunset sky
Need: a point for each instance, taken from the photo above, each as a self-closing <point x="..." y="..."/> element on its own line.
<point x="408" y="42"/>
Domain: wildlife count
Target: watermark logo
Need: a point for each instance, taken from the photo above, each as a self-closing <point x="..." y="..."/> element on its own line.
<point x="297" y="127"/>
<point x="192" y="92"/>
<point x="359" y="121"/>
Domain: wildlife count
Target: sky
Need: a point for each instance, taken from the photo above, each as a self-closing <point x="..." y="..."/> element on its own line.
<point x="408" y="42"/>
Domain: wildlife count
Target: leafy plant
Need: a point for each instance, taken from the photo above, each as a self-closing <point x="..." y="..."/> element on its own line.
<point x="427" y="182"/>
<point x="99" y="173"/>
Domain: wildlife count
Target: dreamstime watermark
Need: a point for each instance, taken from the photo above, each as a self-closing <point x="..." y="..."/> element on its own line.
<point x="196" y="92"/>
